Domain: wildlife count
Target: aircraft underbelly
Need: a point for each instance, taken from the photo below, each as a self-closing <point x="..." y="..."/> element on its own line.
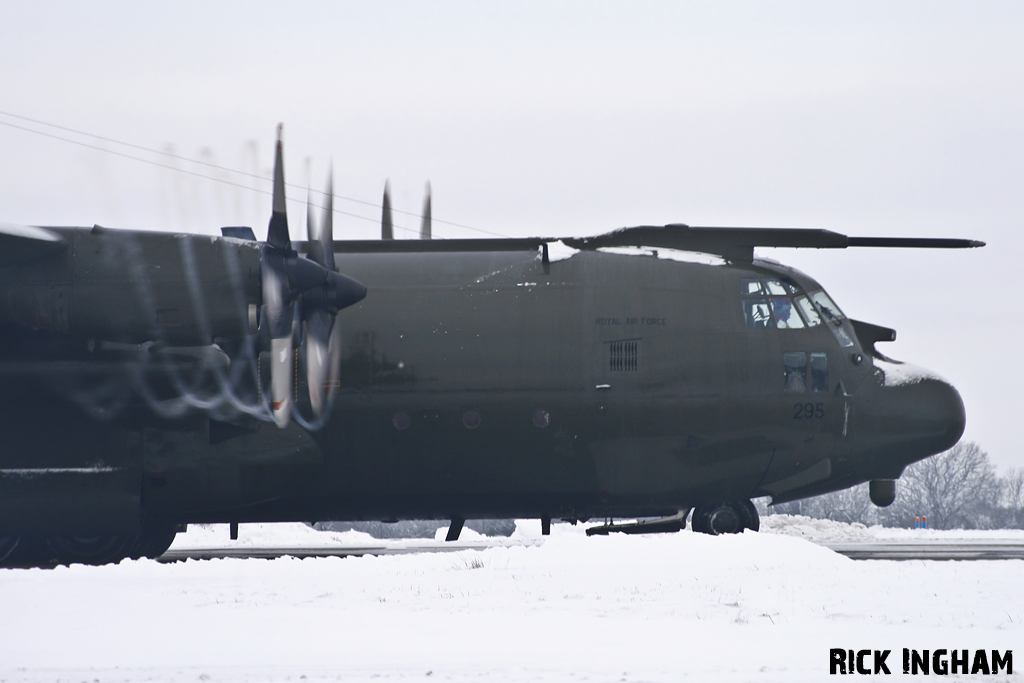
<point x="657" y="466"/>
<point x="64" y="472"/>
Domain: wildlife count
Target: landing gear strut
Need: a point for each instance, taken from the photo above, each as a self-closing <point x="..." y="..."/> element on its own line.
<point x="725" y="518"/>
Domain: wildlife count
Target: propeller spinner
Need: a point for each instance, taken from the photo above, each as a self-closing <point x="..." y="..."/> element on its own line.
<point x="288" y="279"/>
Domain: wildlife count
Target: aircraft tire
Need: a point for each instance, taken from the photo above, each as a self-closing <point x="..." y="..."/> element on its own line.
<point x="153" y="542"/>
<point x="699" y="520"/>
<point x="725" y="518"/>
<point x="94" y="550"/>
<point x="748" y="513"/>
<point x="7" y="546"/>
<point x="717" y="519"/>
<point x="31" y="551"/>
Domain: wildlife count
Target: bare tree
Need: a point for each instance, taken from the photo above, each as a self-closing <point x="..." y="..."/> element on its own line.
<point x="851" y="505"/>
<point x="846" y="505"/>
<point x="1012" y="498"/>
<point x="1013" y="488"/>
<point x="955" y="489"/>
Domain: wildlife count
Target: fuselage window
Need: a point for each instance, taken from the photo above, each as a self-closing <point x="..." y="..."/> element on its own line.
<point x="795" y="378"/>
<point x="756" y="313"/>
<point x="807" y="309"/>
<point x="786" y="316"/>
<point x="819" y="372"/>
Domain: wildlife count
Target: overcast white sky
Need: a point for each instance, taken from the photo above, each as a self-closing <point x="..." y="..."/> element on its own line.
<point x="868" y="118"/>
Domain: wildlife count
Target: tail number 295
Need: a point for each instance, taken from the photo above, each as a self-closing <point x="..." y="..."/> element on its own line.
<point x="808" y="411"/>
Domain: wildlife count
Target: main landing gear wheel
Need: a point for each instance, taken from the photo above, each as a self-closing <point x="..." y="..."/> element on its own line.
<point x="725" y="518"/>
<point x="94" y="550"/>
<point x="153" y="542"/>
<point x="7" y="546"/>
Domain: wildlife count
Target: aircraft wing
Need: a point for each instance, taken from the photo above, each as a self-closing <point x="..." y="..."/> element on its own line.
<point x="433" y="245"/>
<point x="739" y="243"/>
<point x="732" y="243"/>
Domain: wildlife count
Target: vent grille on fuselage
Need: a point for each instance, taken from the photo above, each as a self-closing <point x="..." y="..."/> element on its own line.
<point x="624" y="356"/>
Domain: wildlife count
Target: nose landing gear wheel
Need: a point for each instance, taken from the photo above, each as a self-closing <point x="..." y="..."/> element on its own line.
<point x="725" y="518"/>
<point x="748" y="513"/>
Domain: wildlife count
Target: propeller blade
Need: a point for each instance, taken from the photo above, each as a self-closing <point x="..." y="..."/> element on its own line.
<point x="281" y="374"/>
<point x="321" y="240"/>
<point x="319" y="325"/>
<point x="323" y="329"/>
<point x="311" y="231"/>
<point x="276" y="278"/>
<point x="425" y="225"/>
<point x="386" y="230"/>
<point x="277" y="231"/>
<point x="327" y="224"/>
<point x="315" y="249"/>
<point x="303" y="294"/>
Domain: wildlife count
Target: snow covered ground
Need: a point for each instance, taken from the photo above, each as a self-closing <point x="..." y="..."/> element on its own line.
<point x="675" y="607"/>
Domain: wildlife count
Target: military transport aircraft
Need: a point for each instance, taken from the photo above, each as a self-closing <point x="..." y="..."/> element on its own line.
<point x="152" y="380"/>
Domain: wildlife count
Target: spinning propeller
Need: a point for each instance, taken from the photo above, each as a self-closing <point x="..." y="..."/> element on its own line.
<point x="309" y="290"/>
<point x="387" y="230"/>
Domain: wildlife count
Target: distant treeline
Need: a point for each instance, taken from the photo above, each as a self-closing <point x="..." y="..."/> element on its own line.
<point x="958" y="489"/>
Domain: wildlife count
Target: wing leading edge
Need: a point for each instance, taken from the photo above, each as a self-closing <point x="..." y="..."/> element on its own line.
<point x="736" y="244"/>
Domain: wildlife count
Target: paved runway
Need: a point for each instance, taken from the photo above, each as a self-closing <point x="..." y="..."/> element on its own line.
<point x="873" y="550"/>
<point x="931" y="550"/>
<point x="179" y="554"/>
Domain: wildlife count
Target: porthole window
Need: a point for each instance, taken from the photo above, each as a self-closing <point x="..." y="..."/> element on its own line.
<point x="471" y="419"/>
<point x="541" y="419"/>
<point x="401" y="421"/>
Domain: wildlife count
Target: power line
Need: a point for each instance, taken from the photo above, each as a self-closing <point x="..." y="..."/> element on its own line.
<point x="207" y="164"/>
<point x="175" y="168"/>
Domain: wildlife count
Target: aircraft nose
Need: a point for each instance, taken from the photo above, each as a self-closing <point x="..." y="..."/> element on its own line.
<point x="913" y="417"/>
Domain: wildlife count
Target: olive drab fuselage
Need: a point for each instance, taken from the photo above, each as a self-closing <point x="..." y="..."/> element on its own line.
<point x="472" y="385"/>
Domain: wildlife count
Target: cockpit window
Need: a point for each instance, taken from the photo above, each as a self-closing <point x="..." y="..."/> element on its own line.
<point x="779" y="288"/>
<point x="827" y="306"/>
<point x="807" y="309"/>
<point x="835" y="316"/>
<point x="752" y="286"/>
<point x="786" y="316"/>
<point x="756" y="313"/>
<point x="772" y="298"/>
